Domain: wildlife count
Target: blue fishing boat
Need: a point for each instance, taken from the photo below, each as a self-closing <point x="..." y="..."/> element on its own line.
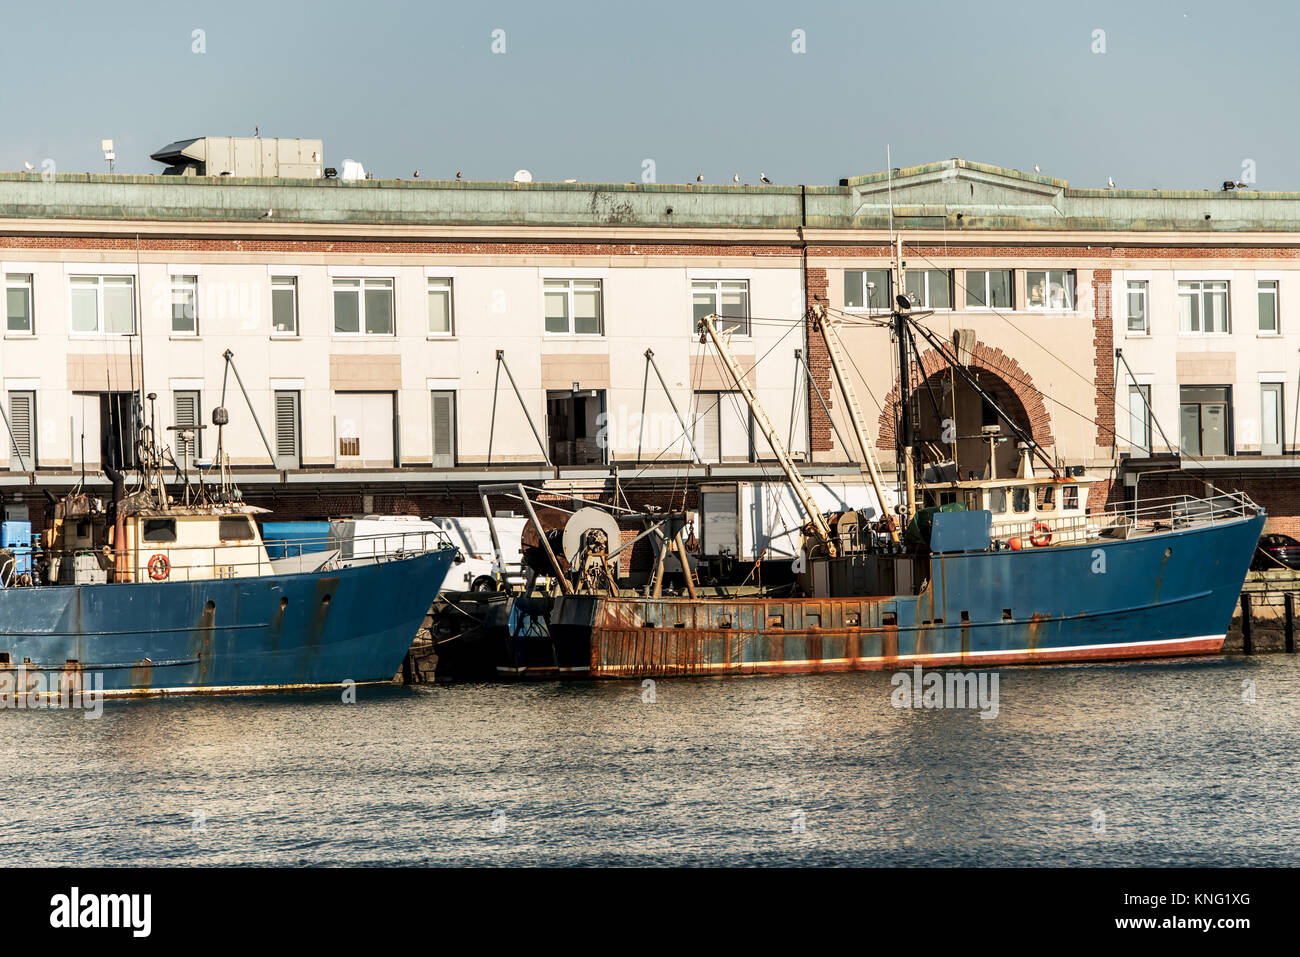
<point x="156" y="593"/>
<point x="998" y="571"/>
<point x="1167" y="588"/>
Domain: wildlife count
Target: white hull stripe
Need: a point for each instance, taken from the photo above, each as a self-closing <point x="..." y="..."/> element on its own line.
<point x="1025" y="653"/>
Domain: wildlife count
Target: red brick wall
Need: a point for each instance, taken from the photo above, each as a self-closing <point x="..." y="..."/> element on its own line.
<point x="820" y="435"/>
<point x="1103" y="338"/>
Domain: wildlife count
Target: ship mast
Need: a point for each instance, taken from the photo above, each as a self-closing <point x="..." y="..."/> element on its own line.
<point x="900" y="308"/>
<point x="801" y="491"/>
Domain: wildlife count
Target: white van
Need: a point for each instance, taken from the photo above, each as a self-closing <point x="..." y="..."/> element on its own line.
<point x="474" y="539"/>
<point x="377" y="536"/>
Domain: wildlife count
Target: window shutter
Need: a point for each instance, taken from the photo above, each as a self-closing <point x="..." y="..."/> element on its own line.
<point x="187" y="416"/>
<point x="286" y="429"/>
<point x="20" y="422"/>
<point x="705" y="434"/>
<point x="734" y="416"/>
<point x="444" y="421"/>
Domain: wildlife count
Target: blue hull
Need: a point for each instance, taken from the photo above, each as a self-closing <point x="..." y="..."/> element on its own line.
<point x="223" y="635"/>
<point x="1160" y="595"/>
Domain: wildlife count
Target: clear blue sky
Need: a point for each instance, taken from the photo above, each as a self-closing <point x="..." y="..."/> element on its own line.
<point x="1185" y="92"/>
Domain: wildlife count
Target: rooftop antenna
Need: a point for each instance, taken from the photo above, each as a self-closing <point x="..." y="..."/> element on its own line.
<point x="889" y="180"/>
<point x="109" y="155"/>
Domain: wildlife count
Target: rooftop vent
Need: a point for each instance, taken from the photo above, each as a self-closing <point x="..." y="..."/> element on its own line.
<point x="243" y="156"/>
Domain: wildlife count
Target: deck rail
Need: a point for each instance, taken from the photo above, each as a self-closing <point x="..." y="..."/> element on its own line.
<point x="1151" y="515"/>
<point x="249" y="558"/>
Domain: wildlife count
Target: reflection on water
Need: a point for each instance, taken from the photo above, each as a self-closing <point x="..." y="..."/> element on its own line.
<point x="1149" y="763"/>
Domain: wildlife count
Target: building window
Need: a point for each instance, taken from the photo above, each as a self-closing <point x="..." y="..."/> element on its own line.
<point x="574" y="432"/>
<point x="365" y="426"/>
<point x="988" y="289"/>
<point x="18" y="303"/>
<point x="1205" y="415"/>
<point x="363" y="307"/>
<point x="1203" y="307"/>
<point x="866" y="289"/>
<point x="726" y="299"/>
<point x="1137" y="307"/>
<point x="1271" y="418"/>
<point x="287" y="431"/>
<point x="440" y="315"/>
<point x="284" y="305"/>
<point x="103" y="305"/>
<point x="22" y="430"/>
<point x="929" y="288"/>
<point x="189" y="435"/>
<point x="722" y="428"/>
<point x="1049" y="289"/>
<point x="573" y="307"/>
<point x="185" y="305"/>
<point x="1139" y="420"/>
<point x="1268" y="306"/>
<point x="444" y="429"/>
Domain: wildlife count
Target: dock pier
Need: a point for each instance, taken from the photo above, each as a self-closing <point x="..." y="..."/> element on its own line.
<point x="1265" y="618"/>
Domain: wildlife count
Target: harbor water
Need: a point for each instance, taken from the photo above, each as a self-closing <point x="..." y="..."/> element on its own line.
<point x="1151" y="763"/>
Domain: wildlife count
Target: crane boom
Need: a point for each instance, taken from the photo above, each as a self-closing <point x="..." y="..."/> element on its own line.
<point x="823" y="530"/>
<point x="855" y="413"/>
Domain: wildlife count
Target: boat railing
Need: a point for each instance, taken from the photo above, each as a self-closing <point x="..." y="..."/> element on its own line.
<point x="1178" y="511"/>
<point x="1121" y="521"/>
<point x="248" y="558"/>
<point x="1062" y="528"/>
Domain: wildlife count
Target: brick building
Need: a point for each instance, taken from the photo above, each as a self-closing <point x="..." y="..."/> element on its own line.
<point x="402" y="342"/>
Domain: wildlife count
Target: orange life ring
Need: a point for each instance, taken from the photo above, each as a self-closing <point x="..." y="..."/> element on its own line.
<point x="159" y="567"/>
<point x="1042" y="535"/>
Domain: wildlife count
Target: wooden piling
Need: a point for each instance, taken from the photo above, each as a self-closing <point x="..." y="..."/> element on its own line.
<point x="1289" y="601"/>
<point x="1246" y="645"/>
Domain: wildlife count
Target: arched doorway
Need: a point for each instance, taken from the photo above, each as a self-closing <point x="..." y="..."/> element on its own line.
<point x="1000" y="376"/>
<point x="951" y="416"/>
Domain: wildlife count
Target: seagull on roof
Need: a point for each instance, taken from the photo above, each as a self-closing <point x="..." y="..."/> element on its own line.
<point x="1036" y="169"/>
<point x="29" y="166"/>
<point x="763" y="178"/>
<point x="700" y="178"/>
<point x="458" y="174"/>
<point x="1110" y="182"/>
<point x="735" y="178"/>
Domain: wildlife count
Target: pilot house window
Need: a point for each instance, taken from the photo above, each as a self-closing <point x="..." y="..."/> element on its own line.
<point x="235" y="529"/>
<point x="160" y="529"/>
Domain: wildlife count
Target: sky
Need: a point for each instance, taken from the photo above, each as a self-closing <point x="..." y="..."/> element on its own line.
<point x="1169" y="94"/>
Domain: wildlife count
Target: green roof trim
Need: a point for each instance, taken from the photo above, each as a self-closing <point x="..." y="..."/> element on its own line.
<point x="953" y="195"/>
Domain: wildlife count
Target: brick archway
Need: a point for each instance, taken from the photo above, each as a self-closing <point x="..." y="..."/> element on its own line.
<point x="1011" y="378"/>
